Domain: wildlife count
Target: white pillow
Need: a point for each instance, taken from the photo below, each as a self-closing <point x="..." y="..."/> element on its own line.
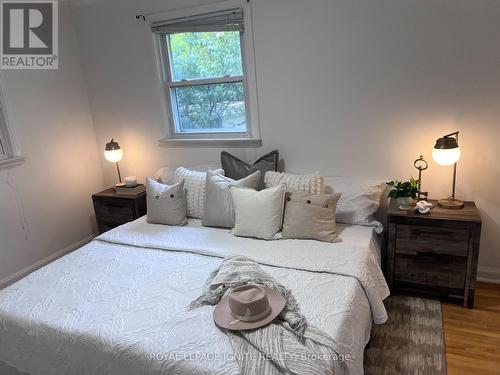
<point x="166" y="204"/>
<point x="258" y="213"/>
<point x="219" y="208"/>
<point x="310" y="183"/>
<point x="166" y="175"/>
<point x="359" y="202"/>
<point x="194" y="183"/>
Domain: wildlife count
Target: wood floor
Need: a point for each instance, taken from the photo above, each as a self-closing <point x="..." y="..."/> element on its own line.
<point x="472" y="336"/>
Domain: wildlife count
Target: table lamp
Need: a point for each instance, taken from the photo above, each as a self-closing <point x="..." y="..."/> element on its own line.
<point x="114" y="154"/>
<point x="447" y="152"/>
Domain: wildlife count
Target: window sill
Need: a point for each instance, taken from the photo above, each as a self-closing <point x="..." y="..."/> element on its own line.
<point x="211" y="142"/>
<point x="11" y="162"/>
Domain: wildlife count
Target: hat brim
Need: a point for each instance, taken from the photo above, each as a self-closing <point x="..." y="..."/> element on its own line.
<point x="222" y="314"/>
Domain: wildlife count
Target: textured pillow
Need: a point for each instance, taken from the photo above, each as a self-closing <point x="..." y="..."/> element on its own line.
<point x="165" y="175"/>
<point x="310" y="183"/>
<point x="166" y="203"/>
<point x="310" y="216"/>
<point x="258" y="213"/>
<point x="236" y="169"/>
<point x="194" y="183"/>
<point x="359" y="202"/>
<point x="219" y="208"/>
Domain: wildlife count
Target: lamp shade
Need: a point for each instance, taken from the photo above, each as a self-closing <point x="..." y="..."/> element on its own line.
<point x="113" y="152"/>
<point x="446" y="151"/>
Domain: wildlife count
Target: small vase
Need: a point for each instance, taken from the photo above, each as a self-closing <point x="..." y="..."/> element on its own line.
<point x="405" y="203"/>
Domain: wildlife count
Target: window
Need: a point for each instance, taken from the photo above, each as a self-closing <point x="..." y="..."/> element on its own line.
<point x="9" y="154"/>
<point x="204" y="73"/>
<point x="4" y="151"/>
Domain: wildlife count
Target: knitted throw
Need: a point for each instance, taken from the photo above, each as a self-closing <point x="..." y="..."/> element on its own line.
<point x="286" y="346"/>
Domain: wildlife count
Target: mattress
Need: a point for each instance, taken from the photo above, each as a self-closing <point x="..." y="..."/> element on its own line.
<point x="119" y="304"/>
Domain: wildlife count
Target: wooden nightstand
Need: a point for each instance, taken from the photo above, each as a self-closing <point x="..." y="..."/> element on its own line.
<point x="112" y="210"/>
<point x="434" y="254"/>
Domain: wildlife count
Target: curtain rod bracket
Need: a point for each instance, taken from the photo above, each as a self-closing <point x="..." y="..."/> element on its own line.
<point x="139" y="17"/>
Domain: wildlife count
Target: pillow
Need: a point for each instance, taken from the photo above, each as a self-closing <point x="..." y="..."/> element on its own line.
<point x="311" y="183"/>
<point x="219" y="208"/>
<point x="194" y="182"/>
<point x="310" y="216"/>
<point x="237" y="169"/>
<point x="166" y="175"/>
<point x="359" y="202"/>
<point x="166" y="204"/>
<point x="258" y="213"/>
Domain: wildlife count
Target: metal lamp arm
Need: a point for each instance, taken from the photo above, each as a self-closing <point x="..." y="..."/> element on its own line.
<point x="454" y="167"/>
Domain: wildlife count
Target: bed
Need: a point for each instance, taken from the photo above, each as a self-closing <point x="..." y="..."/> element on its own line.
<point x="119" y="304"/>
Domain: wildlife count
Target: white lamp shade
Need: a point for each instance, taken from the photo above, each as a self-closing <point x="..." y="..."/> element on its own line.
<point x="446" y="156"/>
<point x="114" y="156"/>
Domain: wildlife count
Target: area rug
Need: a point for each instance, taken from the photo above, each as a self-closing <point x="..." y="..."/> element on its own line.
<point x="411" y="342"/>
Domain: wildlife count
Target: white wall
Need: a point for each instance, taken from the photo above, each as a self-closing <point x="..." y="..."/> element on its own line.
<point x="347" y="87"/>
<point x="45" y="203"/>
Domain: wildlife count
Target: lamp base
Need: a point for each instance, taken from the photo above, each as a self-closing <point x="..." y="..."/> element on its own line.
<point x="451" y="204"/>
<point x="120" y="184"/>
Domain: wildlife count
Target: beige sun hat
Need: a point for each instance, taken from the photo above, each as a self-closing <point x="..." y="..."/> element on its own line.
<point x="248" y="307"/>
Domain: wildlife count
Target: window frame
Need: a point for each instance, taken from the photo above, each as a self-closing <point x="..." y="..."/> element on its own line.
<point x="4" y="144"/>
<point x="12" y="154"/>
<point x="248" y="78"/>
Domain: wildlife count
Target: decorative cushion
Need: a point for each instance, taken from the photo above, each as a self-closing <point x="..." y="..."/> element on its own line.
<point x="310" y="216"/>
<point x="310" y="183"/>
<point x="194" y="183"/>
<point x="359" y="202"/>
<point x="166" y="203"/>
<point x="219" y="209"/>
<point x="166" y="175"/>
<point x="236" y="169"/>
<point x="258" y="213"/>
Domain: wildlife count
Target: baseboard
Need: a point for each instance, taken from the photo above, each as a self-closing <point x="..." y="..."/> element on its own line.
<point x="26" y="271"/>
<point x="488" y="275"/>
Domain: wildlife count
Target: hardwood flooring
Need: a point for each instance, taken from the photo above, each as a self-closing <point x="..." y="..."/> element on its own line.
<point x="472" y="336"/>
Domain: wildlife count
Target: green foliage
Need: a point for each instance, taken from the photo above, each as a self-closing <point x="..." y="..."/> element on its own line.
<point x="200" y="55"/>
<point x="403" y="189"/>
<point x="205" y="54"/>
<point x="211" y="106"/>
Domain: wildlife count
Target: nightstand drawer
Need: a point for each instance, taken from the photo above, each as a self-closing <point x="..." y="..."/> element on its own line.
<point x="422" y="239"/>
<point x="115" y="213"/>
<point x="433" y="270"/>
<point x="112" y="210"/>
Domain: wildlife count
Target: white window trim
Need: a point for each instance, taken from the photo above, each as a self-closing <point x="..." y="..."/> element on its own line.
<point x="252" y="136"/>
<point x="15" y="157"/>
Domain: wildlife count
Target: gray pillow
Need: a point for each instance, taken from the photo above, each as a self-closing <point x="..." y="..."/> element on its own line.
<point x="310" y="216"/>
<point x="219" y="209"/>
<point x="166" y="203"/>
<point x="236" y="169"/>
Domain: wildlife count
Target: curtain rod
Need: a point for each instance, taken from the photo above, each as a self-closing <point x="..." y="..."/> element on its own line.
<point x="142" y="16"/>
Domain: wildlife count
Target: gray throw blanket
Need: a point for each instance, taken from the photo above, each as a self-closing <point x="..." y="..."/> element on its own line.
<point x="286" y="346"/>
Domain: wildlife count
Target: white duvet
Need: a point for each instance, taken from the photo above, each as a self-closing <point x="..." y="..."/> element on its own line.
<point x="119" y="304"/>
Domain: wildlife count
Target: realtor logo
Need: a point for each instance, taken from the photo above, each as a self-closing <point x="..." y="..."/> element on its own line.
<point x="29" y="34"/>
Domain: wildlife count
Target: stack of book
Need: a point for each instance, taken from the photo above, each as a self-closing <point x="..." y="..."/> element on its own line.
<point x="124" y="190"/>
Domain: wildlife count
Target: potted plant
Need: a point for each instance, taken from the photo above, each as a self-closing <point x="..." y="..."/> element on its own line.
<point x="404" y="191"/>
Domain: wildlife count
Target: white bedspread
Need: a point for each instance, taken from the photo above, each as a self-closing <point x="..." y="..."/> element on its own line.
<point x="119" y="304"/>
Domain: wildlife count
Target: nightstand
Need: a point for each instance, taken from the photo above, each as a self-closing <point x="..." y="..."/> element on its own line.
<point x="435" y="254"/>
<point x="112" y="210"/>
